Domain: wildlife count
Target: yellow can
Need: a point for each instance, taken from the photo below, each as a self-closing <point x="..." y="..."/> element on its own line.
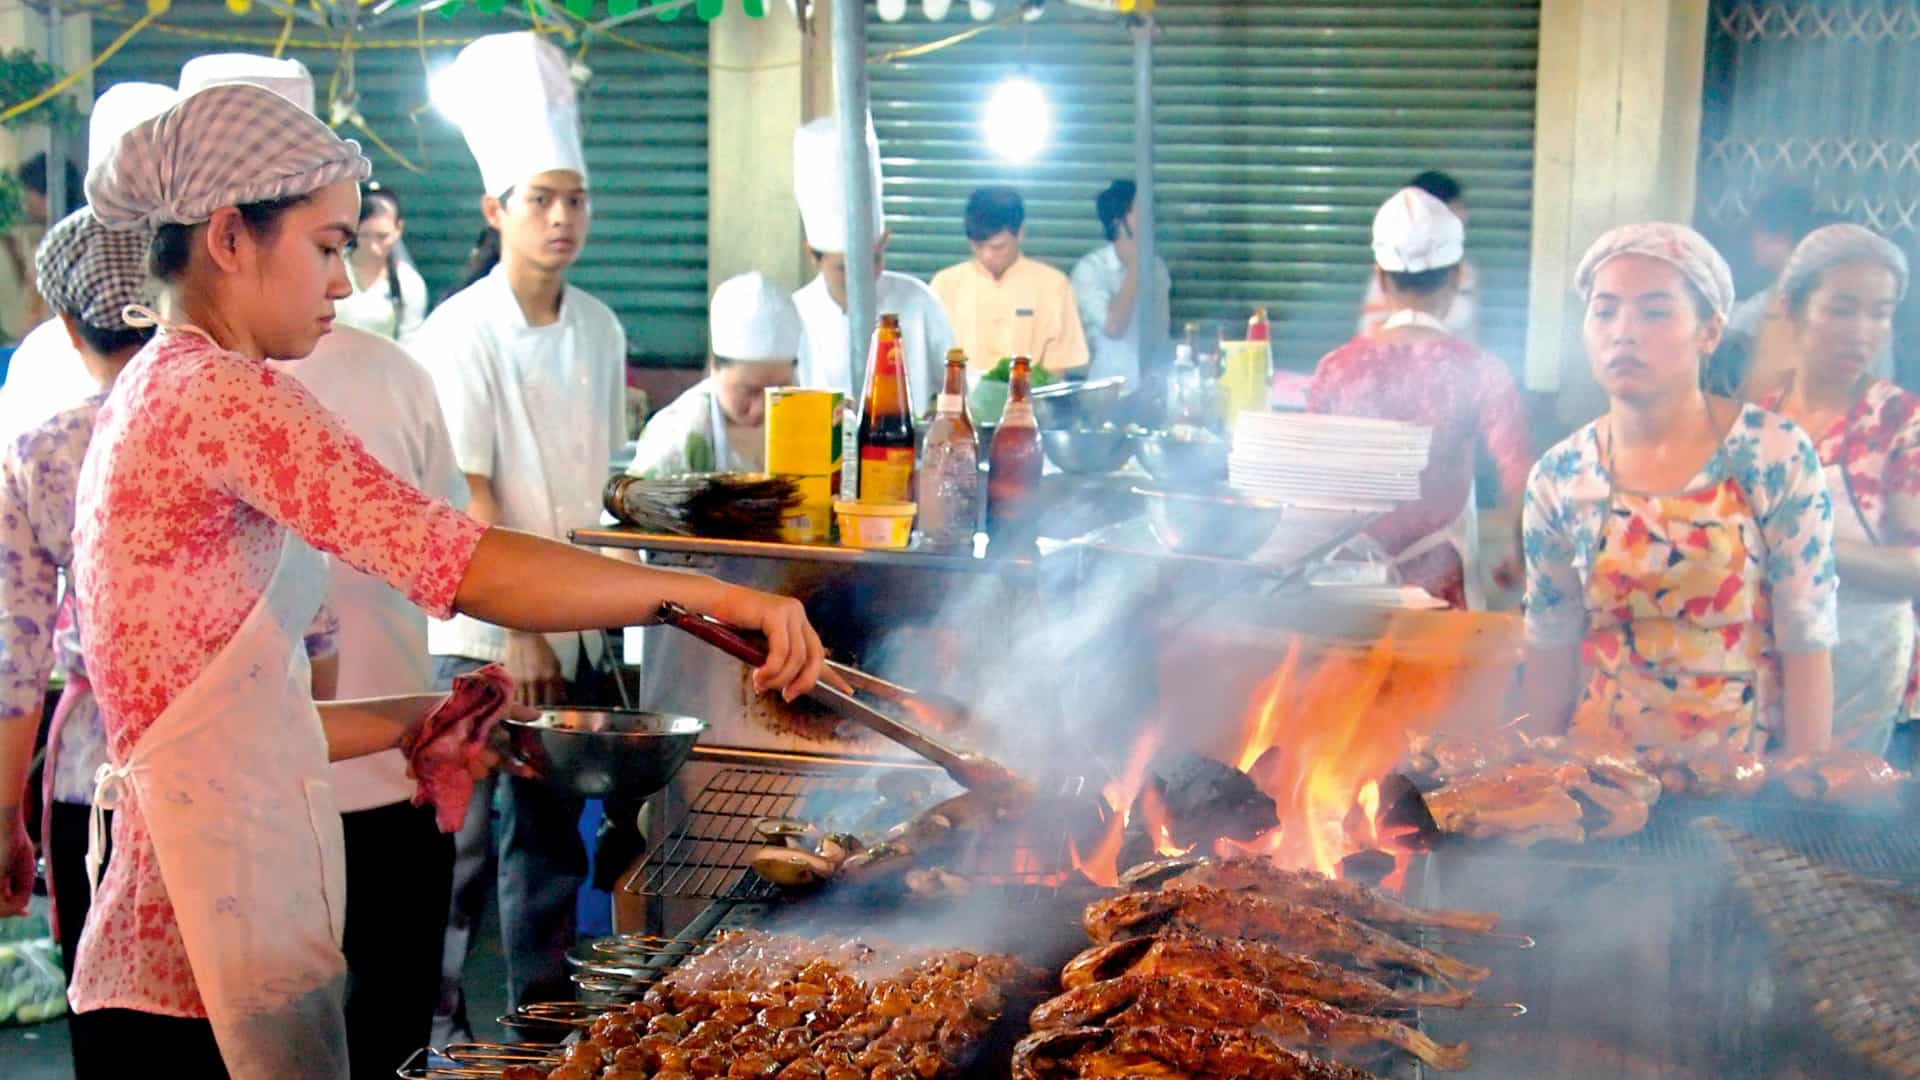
<point x="1247" y="376"/>
<point x="803" y="431"/>
<point x="812" y="521"/>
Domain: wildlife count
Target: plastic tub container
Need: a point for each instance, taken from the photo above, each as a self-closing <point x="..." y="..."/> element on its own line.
<point x="878" y="525"/>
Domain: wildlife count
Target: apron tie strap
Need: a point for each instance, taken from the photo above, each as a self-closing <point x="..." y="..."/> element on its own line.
<point x="109" y="785"/>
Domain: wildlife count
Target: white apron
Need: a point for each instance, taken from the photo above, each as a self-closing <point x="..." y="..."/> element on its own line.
<point x="1875" y="649"/>
<point x="231" y="782"/>
<point x="1462" y="534"/>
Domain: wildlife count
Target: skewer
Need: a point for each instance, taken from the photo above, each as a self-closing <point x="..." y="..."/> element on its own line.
<point x="1515" y="941"/>
<point x="1513" y="1009"/>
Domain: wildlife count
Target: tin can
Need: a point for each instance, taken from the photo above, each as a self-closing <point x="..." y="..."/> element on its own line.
<point x="803" y="431"/>
<point x="812" y="521"/>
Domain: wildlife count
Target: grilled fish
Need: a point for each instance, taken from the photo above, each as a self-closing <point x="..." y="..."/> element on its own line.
<point x="1321" y="934"/>
<point x="1256" y="874"/>
<point x="1298" y="1022"/>
<point x="1253" y="962"/>
<point x="1169" y="1053"/>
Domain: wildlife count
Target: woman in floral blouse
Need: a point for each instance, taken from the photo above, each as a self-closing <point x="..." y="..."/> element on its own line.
<point x="1840" y="290"/>
<point x="1680" y="572"/>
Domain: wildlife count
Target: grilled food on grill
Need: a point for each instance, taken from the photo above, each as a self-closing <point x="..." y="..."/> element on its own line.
<point x="1298" y="1022"/>
<point x="1257" y="874"/>
<point x="1842" y="775"/>
<point x="1706" y="772"/>
<point x="1169" y="1052"/>
<point x="1521" y="803"/>
<point x="1323" y="935"/>
<point x="1253" y="962"/>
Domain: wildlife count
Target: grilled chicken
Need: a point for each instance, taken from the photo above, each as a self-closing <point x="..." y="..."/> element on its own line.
<point x="1321" y="934"/>
<point x="1256" y="874"/>
<point x="1167" y="1053"/>
<point x="1298" y="1022"/>
<point x="1514" y="799"/>
<point x="1844" y="775"/>
<point x="1253" y="962"/>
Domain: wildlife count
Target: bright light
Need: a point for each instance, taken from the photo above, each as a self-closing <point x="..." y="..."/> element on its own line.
<point x="981" y="10"/>
<point x="444" y="90"/>
<point x="1018" y="120"/>
<point x="937" y="9"/>
<point x="893" y="10"/>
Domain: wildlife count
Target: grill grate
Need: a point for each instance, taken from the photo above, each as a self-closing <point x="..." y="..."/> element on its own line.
<point x="708" y="855"/>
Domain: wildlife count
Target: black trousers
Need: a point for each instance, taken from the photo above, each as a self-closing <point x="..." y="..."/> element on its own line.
<point x="399" y="879"/>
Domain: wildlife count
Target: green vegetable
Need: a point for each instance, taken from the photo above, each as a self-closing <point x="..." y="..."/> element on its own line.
<point x="1003" y="372"/>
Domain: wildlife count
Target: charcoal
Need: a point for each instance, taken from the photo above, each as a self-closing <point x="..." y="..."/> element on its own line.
<point x="1208" y="799"/>
<point x="1366" y="867"/>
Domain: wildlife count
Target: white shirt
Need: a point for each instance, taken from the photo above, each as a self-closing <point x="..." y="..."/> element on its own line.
<point x="690" y="436"/>
<point x="387" y="399"/>
<point x="539" y="410"/>
<point x="925" y="335"/>
<point x="1097" y="279"/>
<point x="371" y="309"/>
<point x="46" y="377"/>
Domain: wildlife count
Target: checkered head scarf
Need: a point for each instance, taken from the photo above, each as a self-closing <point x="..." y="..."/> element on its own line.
<point x="91" y="272"/>
<point x="1677" y="246"/>
<point x="1824" y="249"/>
<point x="227" y="145"/>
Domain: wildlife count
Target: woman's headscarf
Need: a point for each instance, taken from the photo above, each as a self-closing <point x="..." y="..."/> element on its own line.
<point x="1824" y="249"/>
<point x="1676" y="245"/>
<point x="91" y="272"/>
<point x="227" y="145"/>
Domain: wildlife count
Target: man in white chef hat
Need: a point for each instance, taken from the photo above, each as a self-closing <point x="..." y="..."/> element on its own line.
<point x="925" y="333"/>
<point x="46" y="375"/>
<point x="532" y="375"/>
<point x="719" y="424"/>
<point x="399" y="864"/>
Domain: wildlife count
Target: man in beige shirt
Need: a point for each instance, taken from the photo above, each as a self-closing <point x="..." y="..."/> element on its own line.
<point x="1004" y="304"/>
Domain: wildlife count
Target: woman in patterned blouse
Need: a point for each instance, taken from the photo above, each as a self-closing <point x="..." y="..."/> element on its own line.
<point x="1840" y="290"/>
<point x="1680" y="575"/>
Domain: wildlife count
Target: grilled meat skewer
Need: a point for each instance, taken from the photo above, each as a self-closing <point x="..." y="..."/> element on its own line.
<point x="1253" y="962"/>
<point x="1321" y="934"/>
<point x="1257" y="874"/>
<point x="1298" y="1022"/>
<point x="1166" y="1052"/>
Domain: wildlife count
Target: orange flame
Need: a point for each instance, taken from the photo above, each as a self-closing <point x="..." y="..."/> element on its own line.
<point x="1101" y="864"/>
<point x="1153" y="816"/>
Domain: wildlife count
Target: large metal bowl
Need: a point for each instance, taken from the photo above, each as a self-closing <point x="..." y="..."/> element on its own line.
<point x="1218" y="523"/>
<point x="1183" y="463"/>
<point x="600" y="752"/>
<point x="1074" y="404"/>
<point x="1086" y="452"/>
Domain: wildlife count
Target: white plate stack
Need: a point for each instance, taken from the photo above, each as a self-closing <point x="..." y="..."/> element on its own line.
<point x="1330" y="462"/>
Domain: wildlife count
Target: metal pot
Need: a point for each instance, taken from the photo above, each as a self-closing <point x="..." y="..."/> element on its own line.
<point x="1221" y="525"/>
<point x="600" y="752"/>
<point x="1074" y="404"/>
<point x="1183" y="463"/>
<point x="1086" y="451"/>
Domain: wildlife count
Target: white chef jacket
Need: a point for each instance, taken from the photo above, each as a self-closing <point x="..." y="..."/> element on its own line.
<point x="690" y="436"/>
<point x="46" y="377"/>
<point x="371" y="308"/>
<point x="541" y="410"/>
<point x="1097" y="279"/>
<point x="387" y="399"/>
<point x="925" y="335"/>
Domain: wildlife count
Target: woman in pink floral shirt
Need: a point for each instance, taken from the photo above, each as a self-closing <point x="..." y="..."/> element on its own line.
<point x="203" y="461"/>
<point x="1841" y="288"/>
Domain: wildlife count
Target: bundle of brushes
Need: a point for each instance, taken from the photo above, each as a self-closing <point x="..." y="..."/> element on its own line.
<point x="719" y="506"/>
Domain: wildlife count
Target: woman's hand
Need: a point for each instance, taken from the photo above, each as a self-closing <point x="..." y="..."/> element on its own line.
<point x="535" y="669"/>
<point x="16" y="863"/>
<point x="794" y="653"/>
<point x="499" y="754"/>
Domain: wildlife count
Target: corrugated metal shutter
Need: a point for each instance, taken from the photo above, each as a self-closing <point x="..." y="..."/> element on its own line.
<point x="645" y="121"/>
<point x="1281" y="126"/>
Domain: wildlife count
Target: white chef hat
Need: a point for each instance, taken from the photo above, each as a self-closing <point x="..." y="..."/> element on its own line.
<point x="751" y="318"/>
<point x="512" y="96"/>
<point x="819" y="188"/>
<point x="1413" y="232"/>
<point x="287" y="77"/>
<point x="121" y="108"/>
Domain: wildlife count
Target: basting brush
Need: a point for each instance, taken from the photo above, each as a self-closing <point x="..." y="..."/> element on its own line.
<point x="719" y="506"/>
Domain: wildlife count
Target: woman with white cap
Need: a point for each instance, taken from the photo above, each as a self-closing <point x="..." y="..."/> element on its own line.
<point x="1840" y="289"/>
<point x="1415" y="369"/>
<point x="1680" y="574"/>
<point x="208" y="476"/>
<point x="719" y="423"/>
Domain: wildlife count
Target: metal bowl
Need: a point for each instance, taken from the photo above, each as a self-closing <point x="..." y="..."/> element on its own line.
<point x="1183" y="463"/>
<point x="599" y="752"/>
<point x="1073" y="404"/>
<point x="1218" y="524"/>
<point x="1086" y="451"/>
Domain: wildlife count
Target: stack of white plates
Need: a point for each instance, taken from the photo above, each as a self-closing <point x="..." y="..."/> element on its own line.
<point x="1335" y="462"/>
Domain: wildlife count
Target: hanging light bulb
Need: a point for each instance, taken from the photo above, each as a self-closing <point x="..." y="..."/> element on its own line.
<point x="444" y="89"/>
<point x="892" y="10"/>
<point x="937" y="9"/>
<point x="1018" y="120"/>
<point x="981" y="10"/>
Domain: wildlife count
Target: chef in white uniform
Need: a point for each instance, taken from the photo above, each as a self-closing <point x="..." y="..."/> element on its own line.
<point x="531" y="373"/>
<point x="719" y="423"/>
<point x="924" y="330"/>
<point x="46" y="375"/>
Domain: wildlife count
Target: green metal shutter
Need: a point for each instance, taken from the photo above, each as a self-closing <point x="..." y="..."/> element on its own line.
<point x="1281" y="126"/>
<point x="645" y="123"/>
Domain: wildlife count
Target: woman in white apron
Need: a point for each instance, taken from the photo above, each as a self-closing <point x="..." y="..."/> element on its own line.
<point x="1840" y="290"/>
<point x="211" y="481"/>
<point x="1680" y="578"/>
<point x="1414" y="369"/>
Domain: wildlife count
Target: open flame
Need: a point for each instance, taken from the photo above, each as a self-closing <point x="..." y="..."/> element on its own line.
<point x="1101" y="863"/>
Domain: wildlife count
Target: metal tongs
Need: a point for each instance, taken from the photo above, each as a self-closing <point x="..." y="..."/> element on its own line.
<point x="970" y="770"/>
